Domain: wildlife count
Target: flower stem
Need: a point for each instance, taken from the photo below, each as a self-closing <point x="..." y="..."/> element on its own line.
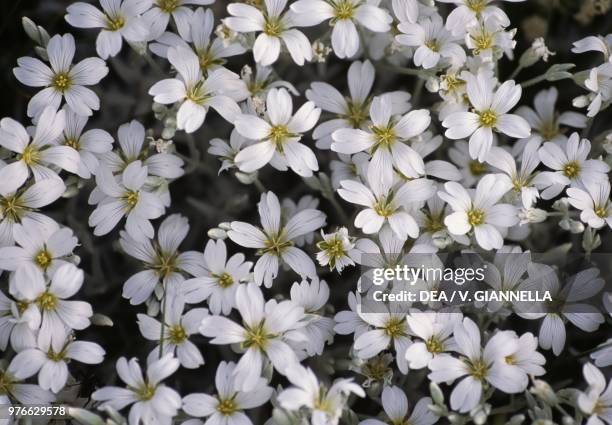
<point x="163" y="323"/>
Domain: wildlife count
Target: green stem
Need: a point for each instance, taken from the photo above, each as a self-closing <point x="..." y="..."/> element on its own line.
<point x="259" y="185"/>
<point x="515" y="72"/>
<point x="533" y="81"/>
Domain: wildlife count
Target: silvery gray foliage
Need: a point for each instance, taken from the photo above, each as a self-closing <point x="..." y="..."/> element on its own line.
<point x="195" y="186"/>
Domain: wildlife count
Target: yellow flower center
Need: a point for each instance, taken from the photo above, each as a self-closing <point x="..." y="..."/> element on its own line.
<point x="334" y="248"/>
<point x="571" y="169"/>
<point x="197" y="94"/>
<point x="434" y="345"/>
<point x="488" y="118"/>
<point x="394" y="327"/>
<point x="278" y="135"/>
<point x="30" y="155"/>
<point x="6" y="382"/>
<point x="224" y="280"/>
<point x="433" y="223"/>
<point x="273" y="27"/>
<point x="377" y="368"/>
<point x="256" y="337"/>
<point x="11" y="209"/>
<point x="357" y="113"/>
<point x="165" y="263"/>
<point x="146" y="392"/>
<point x="432" y="45"/>
<point x="47" y="301"/>
<point x="177" y="335"/>
<point x="452" y="82"/>
<point x="478" y="369"/>
<point x="115" y="23"/>
<point x="56" y="357"/>
<point x="227" y="407"/>
<point x="601" y="211"/>
<point x="131" y="199"/>
<point x="476" y="6"/>
<point x="550" y="131"/>
<point x="62" y="82"/>
<point x="475" y="217"/>
<point x="384" y="208"/>
<point x="73" y="143"/>
<point x="276" y="244"/>
<point x="510" y="359"/>
<point x="168" y="6"/>
<point x="43" y="259"/>
<point x="477" y="168"/>
<point x="384" y="136"/>
<point x="344" y="10"/>
<point x="207" y="60"/>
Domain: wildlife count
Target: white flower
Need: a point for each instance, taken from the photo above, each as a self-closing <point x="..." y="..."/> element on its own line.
<point x="521" y="181"/>
<point x="390" y="329"/>
<point x="594" y="203"/>
<point x="47" y="303"/>
<point x="343" y="15"/>
<point x="324" y="405"/>
<point x="62" y="80"/>
<point x="275" y="242"/>
<point x="390" y="205"/>
<point x="490" y="112"/>
<point x="15" y="326"/>
<point x="594" y="44"/>
<point x="478" y="366"/>
<point x="596" y="401"/>
<point x="23" y="393"/>
<point x="153" y="402"/>
<point x="568" y="302"/>
<point x="569" y="160"/>
<point x="125" y="198"/>
<point x="434" y="329"/>
<point x="335" y="249"/>
<point x="313" y="297"/>
<point x="275" y="26"/>
<point x="50" y="360"/>
<point x="599" y="84"/>
<point x="38" y="154"/>
<point x="489" y="41"/>
<point x="480" y="211"/>
<point x="46" y="247"/>
<point x="541" y="50"/>
<point x="163" y="263"/>
<point x="395" y="405"/>
<point x="227" y="151"/>
<point x="278" y="134"/>
<point x="227" y="405"/>
<point x="213" y="54"/>
<point x="174" y="331"/>
<point x="432" y="41"/>
<point x="545" y="120"/>
<point x="90" y="145"/>
<point x="467" y="13"/>
<point x="119" y="19"/>
<point x="471" y="169"/>
<point x="159" y="16"/>
<point x="17" y="205"/>
<point x="131" y="137"/>
<point x="220" y="279"/>
<point x="385" y="140"/>
<point x="263" y="334"/>
<point x="220" y="90"/>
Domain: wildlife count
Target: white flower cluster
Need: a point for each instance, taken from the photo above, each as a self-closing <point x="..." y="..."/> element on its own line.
<point x="464" y="167"/>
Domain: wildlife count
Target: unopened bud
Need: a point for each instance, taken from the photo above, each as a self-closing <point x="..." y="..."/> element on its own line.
<point x="216" y="233"/>
<point x="436" y="393"/>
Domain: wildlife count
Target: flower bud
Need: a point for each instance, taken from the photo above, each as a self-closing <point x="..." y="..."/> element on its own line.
<point x="436" y="393"/>
<point x="216" y="233"/>
<point x="543" y="391"/>
<point x="246" y="178"/>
